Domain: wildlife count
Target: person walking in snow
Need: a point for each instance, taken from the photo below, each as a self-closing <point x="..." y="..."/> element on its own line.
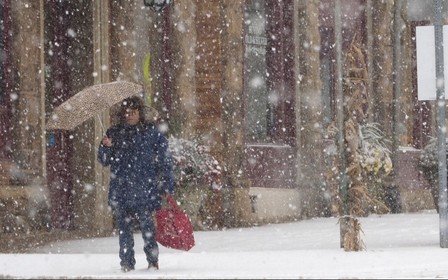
<point x="141" y="175"/>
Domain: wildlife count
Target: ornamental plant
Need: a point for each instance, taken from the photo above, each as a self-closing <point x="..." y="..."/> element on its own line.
<point x="375" y="154"/>
<point x="428" y="164"/>
<point x="376" y="164"/>
<point x="363" y="147"/>
<point x="193" y="164"/>
<point x="198" y="182"/>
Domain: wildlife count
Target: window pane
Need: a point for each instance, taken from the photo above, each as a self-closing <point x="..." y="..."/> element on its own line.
<point x="258" y="111"/>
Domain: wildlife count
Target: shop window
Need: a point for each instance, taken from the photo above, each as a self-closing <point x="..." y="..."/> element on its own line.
<point x="267" y="72"/>
<point x="269" y="86"/>
<point x="259" y="105"/>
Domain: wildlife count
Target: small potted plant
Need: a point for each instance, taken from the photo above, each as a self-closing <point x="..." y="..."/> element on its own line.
<point x="428" y="164"/>
<point x="198" y="177"/>
<point x="376" y="165"/>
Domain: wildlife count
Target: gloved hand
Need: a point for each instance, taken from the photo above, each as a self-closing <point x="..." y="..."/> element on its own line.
<point x="169" y="199"/>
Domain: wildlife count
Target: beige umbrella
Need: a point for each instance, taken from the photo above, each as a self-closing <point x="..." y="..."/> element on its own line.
<point x="89" y="103"/>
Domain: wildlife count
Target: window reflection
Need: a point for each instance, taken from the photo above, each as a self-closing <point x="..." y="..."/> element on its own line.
<point x="258" y="106"/>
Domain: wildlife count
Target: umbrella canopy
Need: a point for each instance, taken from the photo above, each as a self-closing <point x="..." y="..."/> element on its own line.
<point x="90" y="102"/>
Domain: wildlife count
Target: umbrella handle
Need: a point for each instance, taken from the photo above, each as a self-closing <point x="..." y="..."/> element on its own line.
<point x="101" y="123"/>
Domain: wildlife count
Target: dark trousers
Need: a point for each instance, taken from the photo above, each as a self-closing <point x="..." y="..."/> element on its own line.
<point x="125" y="218"/>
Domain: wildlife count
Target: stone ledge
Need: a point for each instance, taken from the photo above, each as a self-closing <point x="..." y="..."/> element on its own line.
<point x="13" y="191"/>
<point x="23" y="208"/>
<point x="26" y="242"/>
<point x="414" y="200"/>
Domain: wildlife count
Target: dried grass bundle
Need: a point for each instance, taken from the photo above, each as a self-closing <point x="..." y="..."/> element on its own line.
<point x="355" y="96"/>
<point x="359" y="137"/>
<point x="352" y="237"/>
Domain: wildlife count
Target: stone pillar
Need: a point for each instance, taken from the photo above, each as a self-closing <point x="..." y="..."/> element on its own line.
<point x="235" y="191"/>
<point x="404" y="123"/>
<point x="382" y="64"/>
<point x="309" y="107"/>
<point x="101" y="42"/>
<point x="28" y="130"/>
<point x="184" y="56"/>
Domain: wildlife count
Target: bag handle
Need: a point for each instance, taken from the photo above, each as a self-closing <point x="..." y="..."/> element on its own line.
<point x="171" y="202"/>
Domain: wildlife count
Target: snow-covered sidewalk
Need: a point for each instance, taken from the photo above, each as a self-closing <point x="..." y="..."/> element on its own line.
<point x="398" y="246"/>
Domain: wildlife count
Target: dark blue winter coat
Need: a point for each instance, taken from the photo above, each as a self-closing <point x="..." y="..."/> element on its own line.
<point x="140" y="165"/>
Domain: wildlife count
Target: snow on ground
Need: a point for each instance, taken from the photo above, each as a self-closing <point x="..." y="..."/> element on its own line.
<point x="397" y="246"/>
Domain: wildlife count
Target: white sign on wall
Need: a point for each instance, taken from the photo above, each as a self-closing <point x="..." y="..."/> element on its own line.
<point x="426" y="61"/>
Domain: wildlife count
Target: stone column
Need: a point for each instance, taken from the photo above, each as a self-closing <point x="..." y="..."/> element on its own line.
<point x="101" y="42"/>
<point x="309" y="106"/>
<point x="184" y="56"/>
<point x="405" y="123"/>
<point x="236" y="201"/>
<point x="27" y="151"/>
<point x="382" y="64"/>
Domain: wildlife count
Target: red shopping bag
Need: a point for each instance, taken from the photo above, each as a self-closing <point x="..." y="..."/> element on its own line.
<point x="173" y="227"/>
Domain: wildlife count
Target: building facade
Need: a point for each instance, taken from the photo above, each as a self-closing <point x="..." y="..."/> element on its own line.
<point x="254" y="80"/>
